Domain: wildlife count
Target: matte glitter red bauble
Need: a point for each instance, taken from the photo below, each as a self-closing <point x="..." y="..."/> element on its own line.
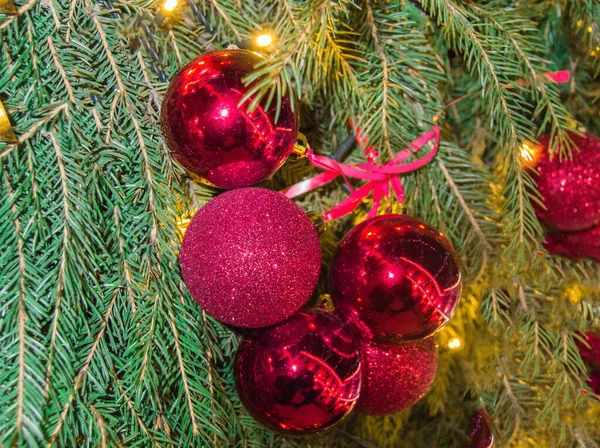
<point x="576" y="245"/>
<point x="395" y="376"/>
<point x="395" y="279"/>
<point x="250" y="257"/>
<point x="481" y="430"/>
<point x="570" y="189"/>
<point x="211" y="135"/>
<point x="301" y="376"/>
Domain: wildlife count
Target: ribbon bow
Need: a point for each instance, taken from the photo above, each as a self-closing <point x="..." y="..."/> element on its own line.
<point x="380" y="177"/>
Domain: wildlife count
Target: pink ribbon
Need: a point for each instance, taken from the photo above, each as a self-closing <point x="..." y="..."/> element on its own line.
<point x="379" y="177"/>
<point x="555" y="77"/>
<point x="559" y="77"/>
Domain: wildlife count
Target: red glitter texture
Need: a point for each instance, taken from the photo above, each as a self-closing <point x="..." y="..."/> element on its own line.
<point x="302" y="376"/>
<point x="395" y="279"/>
<point x="395" y="376"/>
<point x="250" y="257"/>
<point x="215" y="138"/>
<point x="570" y="189"/>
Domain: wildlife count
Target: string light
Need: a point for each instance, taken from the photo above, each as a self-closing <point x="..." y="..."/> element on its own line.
<point x="264" y="40"/>
<point x="454" y="344"/>
<point x="169" y="5"/>
<point x="528" y="153"/>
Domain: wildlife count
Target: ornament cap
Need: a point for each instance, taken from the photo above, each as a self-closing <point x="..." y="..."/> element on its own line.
<point x="7" y="7"/>
<point x="6" y="131"/>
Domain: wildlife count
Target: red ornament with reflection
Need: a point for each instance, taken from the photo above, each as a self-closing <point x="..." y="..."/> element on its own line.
<point x="570" y="189"/>
<point x="211" y="135"/>
<point x="395" y="377"/>
<point x="481" y="432"/>
<point x="301" y="376"/>
<point x="395" y="279"/>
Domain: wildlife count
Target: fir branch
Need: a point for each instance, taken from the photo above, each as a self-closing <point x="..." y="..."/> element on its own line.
<point x="80" y="378"/>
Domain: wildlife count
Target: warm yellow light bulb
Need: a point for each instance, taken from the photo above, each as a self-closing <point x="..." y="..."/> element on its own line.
<point x="264" y="40"/>
<point x="528" y="152"/>
<point x="169" y="5"/>
<point x="454" y="344"/>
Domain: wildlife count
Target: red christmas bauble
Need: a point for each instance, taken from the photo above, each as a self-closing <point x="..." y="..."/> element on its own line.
<point x="594" y="381"/>
<point x="250" y="257"/>
<point x="301" y="376"/>
<point x="570" y="188"/>
<point x="590" y="353"/>
<point x="395" y="279"/>
<point x="395" y="376"/>
<point x="576" y="245"/>
<point x="481" y="430"/>
<point x="215" y="137"/>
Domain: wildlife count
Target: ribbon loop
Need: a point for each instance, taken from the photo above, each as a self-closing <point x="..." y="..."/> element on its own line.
<point x="379" y="177"/>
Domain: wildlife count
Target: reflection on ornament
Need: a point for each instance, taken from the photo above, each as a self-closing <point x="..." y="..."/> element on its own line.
<point x="264" y="40"/>
<point x="212" y="131"/>
<point x="395" y="279"/>
<point x="302" y="376"/>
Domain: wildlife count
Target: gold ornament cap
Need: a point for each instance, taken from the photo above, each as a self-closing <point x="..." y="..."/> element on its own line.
<point x="7" y="7"/>
<point x="6" y="131"/>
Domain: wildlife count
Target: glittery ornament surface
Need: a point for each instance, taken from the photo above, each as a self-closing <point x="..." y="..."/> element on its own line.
<point x="395" y="376"/>
<point x="481" y="430"/>
<point x="301" y="376"/>
<point x="570" y="189"/>
<point x="251" y="257"/>
<point x="395" y="279"/>
<point x="576" y="245"/>
<point x="215" y="137"/>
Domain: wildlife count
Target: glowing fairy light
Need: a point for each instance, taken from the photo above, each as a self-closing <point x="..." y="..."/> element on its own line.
<point x="264" y="40"/>
<point x="169" y="5"/>
<point x="528" y="152"/>
<point x="454" y="344"/>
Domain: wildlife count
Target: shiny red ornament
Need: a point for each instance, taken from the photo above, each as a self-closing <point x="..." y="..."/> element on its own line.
<point x="570" y="188"/>
<point x="215" y="137"/>
<point x="395" y="376"/>
<point x="395" y="279"/>
<point x="301" y="376"/>
<point x="250" y="257"/>
<point x="576" y="245"/>
<point x="481" y="430"/>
